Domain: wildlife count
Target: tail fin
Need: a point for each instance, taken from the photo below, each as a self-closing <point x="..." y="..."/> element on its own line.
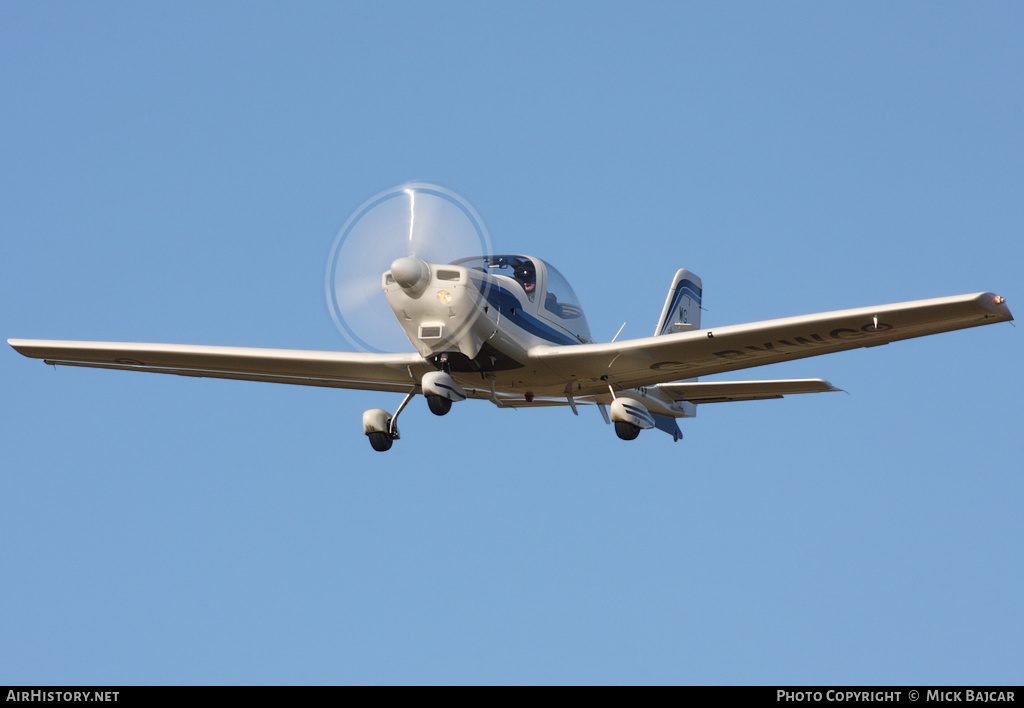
<point x="682" y="306"/>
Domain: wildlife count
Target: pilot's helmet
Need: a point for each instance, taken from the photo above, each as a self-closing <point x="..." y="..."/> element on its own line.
<point x="527" y="275"/>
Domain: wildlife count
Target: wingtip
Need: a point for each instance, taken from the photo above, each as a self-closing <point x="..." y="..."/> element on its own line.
<point x="996" y="304"/>
<point x="23" y="346"/>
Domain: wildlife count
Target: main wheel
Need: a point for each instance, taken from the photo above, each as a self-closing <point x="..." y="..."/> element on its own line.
<point x="439" y="405"/>
<point x="626" y="431"/>
<point x="381" y="442"/>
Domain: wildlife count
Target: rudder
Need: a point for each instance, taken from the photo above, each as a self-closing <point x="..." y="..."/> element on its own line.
<point x="682" y="306"/>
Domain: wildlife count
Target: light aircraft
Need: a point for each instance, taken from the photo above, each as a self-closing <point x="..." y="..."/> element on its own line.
<point x="509" y="329"/>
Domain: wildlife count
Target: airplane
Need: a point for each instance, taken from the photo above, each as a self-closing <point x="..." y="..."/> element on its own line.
<point x="509" y="329"/>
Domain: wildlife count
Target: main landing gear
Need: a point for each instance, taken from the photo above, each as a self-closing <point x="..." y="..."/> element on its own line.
<point x="381" y="442"/>
<point x="630" y="417"/>
<point x="381" y="427"/>
<point x="626" y="431"/>
<point x="440" y="390"/>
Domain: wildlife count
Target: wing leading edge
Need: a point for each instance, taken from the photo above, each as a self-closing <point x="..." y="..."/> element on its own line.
<point x="377" y="372"/>
<point x="716" y="350"/>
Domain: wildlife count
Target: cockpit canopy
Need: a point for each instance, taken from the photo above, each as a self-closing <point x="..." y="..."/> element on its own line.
<point x="550" y="293"/>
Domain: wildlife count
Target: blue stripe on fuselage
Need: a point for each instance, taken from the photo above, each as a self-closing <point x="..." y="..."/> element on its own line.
<point x="511" y="308"/>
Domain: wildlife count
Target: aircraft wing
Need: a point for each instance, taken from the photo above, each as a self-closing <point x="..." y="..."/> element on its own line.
<point x="375" y="372"/>
<point x="684" y="355"/>
<point x="722" y="391"/>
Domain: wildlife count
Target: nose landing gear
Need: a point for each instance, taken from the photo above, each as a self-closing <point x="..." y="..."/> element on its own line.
<point x="439" y="405"/>
<point x="440" y="388"/>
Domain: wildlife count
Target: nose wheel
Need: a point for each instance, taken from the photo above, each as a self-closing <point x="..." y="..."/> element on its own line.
<point x="439" y="405"/>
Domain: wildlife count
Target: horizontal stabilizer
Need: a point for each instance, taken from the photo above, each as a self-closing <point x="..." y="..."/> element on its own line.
<point x="723" y="391"/>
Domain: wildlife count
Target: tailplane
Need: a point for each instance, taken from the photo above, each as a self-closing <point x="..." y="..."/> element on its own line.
<point x="682" y="306"/>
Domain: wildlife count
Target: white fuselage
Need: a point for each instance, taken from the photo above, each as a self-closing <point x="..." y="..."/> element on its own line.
<point x="485" y="323"/>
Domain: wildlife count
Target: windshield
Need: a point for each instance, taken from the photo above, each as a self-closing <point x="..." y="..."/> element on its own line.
<point x="557" y="304"/>
<point x="560" y="299"/>
<point x="560" y="303"/>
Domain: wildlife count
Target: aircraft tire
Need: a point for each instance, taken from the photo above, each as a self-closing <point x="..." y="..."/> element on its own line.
<point x="381" y="442"/>
<point x="439" y="405"/>
<point x="626" y="431"/>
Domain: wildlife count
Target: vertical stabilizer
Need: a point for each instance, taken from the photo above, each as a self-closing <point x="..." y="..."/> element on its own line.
<point x="682" y="306"/>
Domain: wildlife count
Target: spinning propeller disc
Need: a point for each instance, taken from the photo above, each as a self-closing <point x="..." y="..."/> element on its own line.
<point x="416" y="219"/>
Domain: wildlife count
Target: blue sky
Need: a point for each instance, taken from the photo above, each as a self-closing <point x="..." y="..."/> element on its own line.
<point x="177" y="172"/>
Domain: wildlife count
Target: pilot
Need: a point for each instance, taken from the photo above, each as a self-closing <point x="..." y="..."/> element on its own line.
<point x="527" y="275"/>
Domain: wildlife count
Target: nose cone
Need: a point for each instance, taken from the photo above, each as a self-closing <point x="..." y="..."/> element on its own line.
<point x="411" y="273"/>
